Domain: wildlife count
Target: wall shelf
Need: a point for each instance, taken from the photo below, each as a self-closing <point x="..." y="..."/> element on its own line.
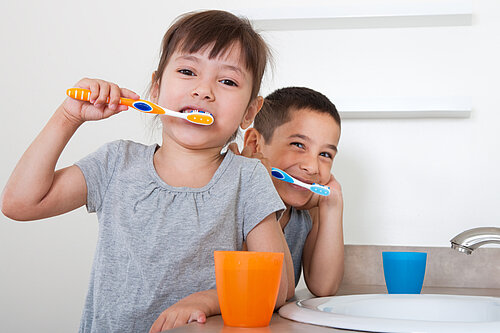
<point x="396" y="14"/>
<point x="404" y="114"/>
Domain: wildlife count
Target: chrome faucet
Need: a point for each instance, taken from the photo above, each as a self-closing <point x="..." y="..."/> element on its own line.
<point x="471" y="239"/>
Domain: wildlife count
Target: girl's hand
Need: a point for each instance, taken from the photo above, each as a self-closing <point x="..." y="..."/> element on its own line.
<point x="98" y="108"/>
<point x="195" y="307"/>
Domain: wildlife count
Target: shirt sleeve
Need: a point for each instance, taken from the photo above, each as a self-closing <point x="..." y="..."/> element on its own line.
<point x="98" y="168"/>
<point x="260" y="198"/>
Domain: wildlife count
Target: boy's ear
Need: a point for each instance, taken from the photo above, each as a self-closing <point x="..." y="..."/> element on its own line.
<point x="253" y="140"/>
<point x="252" y="110"/>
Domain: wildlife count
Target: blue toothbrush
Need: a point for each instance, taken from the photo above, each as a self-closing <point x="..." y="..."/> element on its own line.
<point x="316" y="188"/>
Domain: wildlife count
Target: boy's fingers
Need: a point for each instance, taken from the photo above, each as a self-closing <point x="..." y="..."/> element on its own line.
<point x="247" y="152"/>
<point x="234" y="148"/>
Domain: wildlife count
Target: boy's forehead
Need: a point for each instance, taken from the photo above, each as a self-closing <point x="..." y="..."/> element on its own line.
<point x="307" y="122"/>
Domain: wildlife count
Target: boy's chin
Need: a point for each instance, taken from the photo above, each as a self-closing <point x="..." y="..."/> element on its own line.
<point x="297" y="200"/>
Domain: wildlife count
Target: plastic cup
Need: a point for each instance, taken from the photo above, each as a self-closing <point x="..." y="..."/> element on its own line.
<point x="404" y="271"/>
<point x="247" y="286"/>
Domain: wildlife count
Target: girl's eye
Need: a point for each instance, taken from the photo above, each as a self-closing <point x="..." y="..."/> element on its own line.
<point x="186" y="72"/>
<point x="229" y="83"/>
<point x="298" y="144"/>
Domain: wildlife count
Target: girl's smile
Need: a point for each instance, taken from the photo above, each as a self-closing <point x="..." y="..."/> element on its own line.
<point x="220" y="85"/>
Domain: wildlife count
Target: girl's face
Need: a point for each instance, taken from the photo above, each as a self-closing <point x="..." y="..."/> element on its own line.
<point x="304" y="148"/>
<point x="221" y="86"/>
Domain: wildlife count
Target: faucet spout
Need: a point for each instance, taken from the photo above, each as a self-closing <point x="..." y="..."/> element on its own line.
<point x="471" y="239"/>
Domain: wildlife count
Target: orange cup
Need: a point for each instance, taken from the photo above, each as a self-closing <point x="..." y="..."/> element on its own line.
<point x="247" y="286"/>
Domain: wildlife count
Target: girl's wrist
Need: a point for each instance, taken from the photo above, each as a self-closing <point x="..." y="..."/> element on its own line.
<point x="67" y="119"/>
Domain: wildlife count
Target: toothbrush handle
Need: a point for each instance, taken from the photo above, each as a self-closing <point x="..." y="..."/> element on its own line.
<point x="84" y="95"/>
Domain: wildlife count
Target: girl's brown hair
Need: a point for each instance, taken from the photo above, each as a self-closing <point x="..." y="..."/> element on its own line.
<point x="221" y="30"/>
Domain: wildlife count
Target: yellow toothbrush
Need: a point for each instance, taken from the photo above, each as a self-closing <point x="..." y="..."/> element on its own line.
<point x="195" y="116"/>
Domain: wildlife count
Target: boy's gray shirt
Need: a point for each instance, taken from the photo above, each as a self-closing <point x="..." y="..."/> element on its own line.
<point x="156" y="242"/>
<point x="296" y="231"/>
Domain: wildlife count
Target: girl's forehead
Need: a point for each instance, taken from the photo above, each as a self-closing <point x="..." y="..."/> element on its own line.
<point x="232" y="53"/>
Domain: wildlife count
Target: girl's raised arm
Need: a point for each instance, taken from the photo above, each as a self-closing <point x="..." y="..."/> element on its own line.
<point x="35" y="190"/>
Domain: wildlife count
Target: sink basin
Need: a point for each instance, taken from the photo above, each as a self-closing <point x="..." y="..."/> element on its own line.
<point x="399" y="313"/>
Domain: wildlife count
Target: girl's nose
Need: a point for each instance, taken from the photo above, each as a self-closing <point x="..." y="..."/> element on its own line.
<point x="204" y="92"/>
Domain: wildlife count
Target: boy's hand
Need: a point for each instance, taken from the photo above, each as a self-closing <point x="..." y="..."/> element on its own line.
<point x="333" y="200"/>
<point x="248" y="152"/>
<point x="195" y="307"/>
<point x="98" y="108"/>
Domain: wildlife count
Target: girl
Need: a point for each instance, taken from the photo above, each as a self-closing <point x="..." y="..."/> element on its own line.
<point x="163" y="210"/>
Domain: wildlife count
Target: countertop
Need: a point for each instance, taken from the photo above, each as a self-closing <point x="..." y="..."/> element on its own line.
<point x="279" y="324"/>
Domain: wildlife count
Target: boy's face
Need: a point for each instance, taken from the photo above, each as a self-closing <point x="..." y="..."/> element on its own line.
<point x="304" y="148"/>
<point x="221" y="86"/>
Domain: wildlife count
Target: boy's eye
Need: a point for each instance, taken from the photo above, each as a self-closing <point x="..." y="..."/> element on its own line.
<point x="186" y="72"/>
<point x="229" y="82"/>
<point x="297" y="144"/>
<point x="325" y="154"/>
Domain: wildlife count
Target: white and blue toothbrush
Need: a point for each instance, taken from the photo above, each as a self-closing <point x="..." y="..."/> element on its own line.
<point x="316" y="188"/>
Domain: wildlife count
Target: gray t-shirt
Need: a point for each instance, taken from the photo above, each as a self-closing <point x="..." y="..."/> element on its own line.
<point x="296" y="232"/>
<point x="156" y="242"/>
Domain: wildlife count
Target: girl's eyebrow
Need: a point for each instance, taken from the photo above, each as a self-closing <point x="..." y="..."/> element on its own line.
<point x="306" y="138"/>
<point x="194" y="58"/>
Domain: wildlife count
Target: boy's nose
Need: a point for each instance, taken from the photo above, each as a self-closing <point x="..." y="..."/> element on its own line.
<point x="204" y="92"/>
<point x="310" y="165"/>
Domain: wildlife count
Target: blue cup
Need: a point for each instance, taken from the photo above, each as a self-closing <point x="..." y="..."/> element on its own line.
<point x="404" y="271"/>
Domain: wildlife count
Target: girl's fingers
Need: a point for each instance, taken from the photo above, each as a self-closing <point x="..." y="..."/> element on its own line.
<point x="114" y="96"/>
<point x="103" y="93"/>
<point x="157" y="325"/>
<point x="94" y="90"/>
<point x="129" y="94"/>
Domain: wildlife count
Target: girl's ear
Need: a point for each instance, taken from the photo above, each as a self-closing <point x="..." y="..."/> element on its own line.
<point x="252" y="110"/>
<point x="155" y="88"/>
<point x="253" y="139"/>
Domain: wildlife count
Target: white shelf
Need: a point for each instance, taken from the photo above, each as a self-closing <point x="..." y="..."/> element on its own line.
<point x="405" y="114"/>
<point x="383" y="14"/>
<point x="364" y="22"/>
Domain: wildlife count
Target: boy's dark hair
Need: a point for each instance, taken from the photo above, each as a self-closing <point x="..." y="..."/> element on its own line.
<point x="279" y="105"/>
<point x="219" y="30"/>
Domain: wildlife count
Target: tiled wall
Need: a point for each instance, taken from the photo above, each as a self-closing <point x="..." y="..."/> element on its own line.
<point x="445" y="267"/>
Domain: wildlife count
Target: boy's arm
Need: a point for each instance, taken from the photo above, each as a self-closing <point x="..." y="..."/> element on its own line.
<point x="323" y="254"/>
<point x="35" y="190"/>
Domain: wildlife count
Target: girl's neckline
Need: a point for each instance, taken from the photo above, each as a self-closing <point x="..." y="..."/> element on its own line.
<point x="218" y="173"/>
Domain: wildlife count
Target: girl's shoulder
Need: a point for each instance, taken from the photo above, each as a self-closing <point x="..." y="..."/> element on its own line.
<point x="126" y="148"/>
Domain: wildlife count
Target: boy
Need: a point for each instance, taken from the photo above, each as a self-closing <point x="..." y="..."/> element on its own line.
<point x="297" y="131"/>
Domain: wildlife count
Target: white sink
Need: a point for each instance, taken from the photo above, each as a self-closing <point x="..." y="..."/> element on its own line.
<point x="399" y="313"/>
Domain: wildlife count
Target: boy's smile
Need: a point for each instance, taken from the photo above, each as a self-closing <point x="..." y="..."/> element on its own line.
<point x="305" y="148"/>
